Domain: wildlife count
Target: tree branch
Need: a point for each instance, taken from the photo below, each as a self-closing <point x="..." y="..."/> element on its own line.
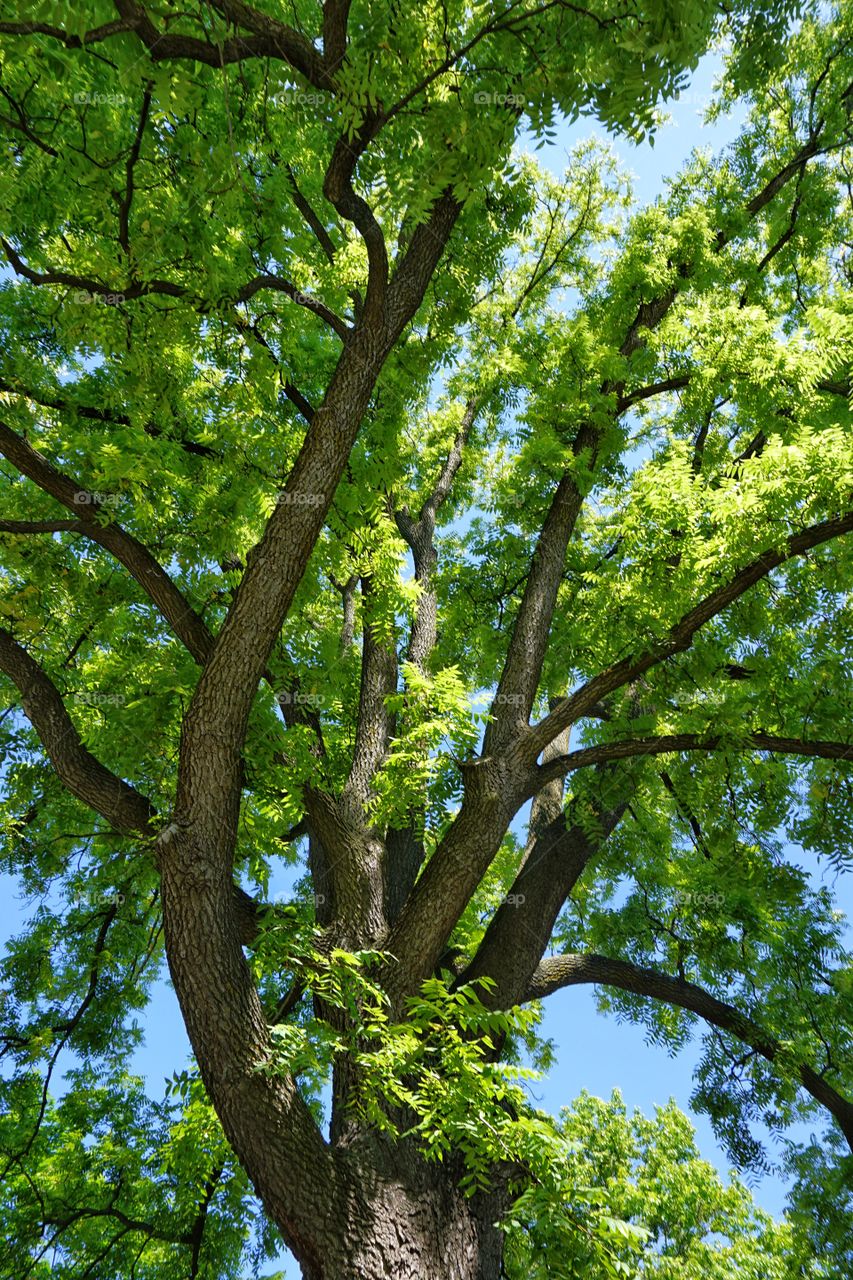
<point x="520" y="676"/>
<point x="115" y="294"/>
<point x="270" y="38"/>
<point x="94" y="413"/>
<point x="84" y="776"/>
<point x="133" y="158"/>
<point x="135" y="557"/>
<point x="419" y="536"/>
<point x="311" y="217"/>
<point x="42" y="526"/>
<point x="375" y="723"/>
<point x="516" y="691"/>
<point x="520" y="930"/>
<point x="681" y="633"/>
<point x="631" y="398"/>
<point x="215" y="725"/>
<point x="561" y="765"/>
<point x="570" y="970"/>
<point x="280" y="285"/>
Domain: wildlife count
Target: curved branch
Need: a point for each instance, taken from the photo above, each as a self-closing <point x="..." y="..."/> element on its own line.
<point x="94" y="413"/>
<point x="115" y="294"/>
<point x="280" y="285"/>
<point x="666" y="744"/>
<point x="136" y="558"/>
<point x="574" y="969"/>
<point x="85" y="777"/>
<point x="681" y="634"/>
<point x="81" y="773"/>
<point x="94" y="36"/>
<point x="42" y="526"/>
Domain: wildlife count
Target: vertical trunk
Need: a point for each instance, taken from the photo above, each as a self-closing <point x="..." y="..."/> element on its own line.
<point x="357" y="1208"/>
<point x="408" y="1220"/>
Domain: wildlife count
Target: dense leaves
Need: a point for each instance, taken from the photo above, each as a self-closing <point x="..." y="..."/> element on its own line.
<point x="351" y="461"/>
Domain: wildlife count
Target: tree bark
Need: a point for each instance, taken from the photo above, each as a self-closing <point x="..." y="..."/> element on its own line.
<point x="407" y="1219"/>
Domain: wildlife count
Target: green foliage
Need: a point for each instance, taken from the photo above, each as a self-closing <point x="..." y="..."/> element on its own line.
<point x="165" y="391"/>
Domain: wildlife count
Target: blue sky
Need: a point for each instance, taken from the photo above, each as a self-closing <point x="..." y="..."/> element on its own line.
<point x="594" y="1052"/>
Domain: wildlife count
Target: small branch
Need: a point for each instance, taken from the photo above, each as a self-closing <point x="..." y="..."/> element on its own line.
<point x="196" y="1235"/>
<point x="655" y="389"/>
<point x="375" y="724"/>
<point x="280" y="285"/>
<point x="311" y="217"/>
<point x="93" y="413"/>
<point x="127" y="200"/>
<point x="117" y="294"/>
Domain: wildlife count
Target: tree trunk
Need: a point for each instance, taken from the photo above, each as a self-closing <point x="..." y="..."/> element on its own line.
<point x="408" y="1220"/>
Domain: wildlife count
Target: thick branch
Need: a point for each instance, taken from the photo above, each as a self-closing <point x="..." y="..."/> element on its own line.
<point x="570" y="970"/>
<point x="135" y="557"/>
<point x="561" y="765"/>
<point x="270" y="38"/>
<point x="681" y="634"/>
<point x="83" y="775"/>
<point x="375" y="724"/>
<point x="519" y="680"/>
<point x="520" y="930"/>
<point x="126" y="809"/>
<point x="215" y="725"/>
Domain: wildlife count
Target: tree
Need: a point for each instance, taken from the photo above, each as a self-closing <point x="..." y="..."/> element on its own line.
<point x="327" y="413"/>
